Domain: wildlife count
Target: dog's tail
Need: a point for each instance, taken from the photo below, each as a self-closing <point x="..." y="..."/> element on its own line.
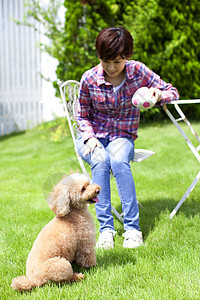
<point x="25" y="283"/>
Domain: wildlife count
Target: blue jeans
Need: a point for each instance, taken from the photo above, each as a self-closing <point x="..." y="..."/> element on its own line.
<point x="113" y="155"/>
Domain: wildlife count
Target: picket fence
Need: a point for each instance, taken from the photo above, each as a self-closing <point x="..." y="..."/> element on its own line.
<point x="20" y="67"/>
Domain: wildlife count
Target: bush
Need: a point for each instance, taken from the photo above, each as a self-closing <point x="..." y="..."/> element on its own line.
<point x="166" y="35"/>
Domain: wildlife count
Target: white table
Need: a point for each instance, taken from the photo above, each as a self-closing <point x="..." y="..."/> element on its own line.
<point x="195" y="150"/>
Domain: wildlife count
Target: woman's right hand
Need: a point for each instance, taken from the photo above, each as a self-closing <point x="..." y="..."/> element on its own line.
<point x="91" y="144"/>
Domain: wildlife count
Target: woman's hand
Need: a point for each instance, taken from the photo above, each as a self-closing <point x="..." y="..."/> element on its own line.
<point x="91" y="144"/>
<point x="155" y="93"/>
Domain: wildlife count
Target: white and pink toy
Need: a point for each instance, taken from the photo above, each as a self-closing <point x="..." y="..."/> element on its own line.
<point x="143" y="98"/>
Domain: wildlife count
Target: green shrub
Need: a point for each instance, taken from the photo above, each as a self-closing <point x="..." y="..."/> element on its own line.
<point x="166" y="35"/>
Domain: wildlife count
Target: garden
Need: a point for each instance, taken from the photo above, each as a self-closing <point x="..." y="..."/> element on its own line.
<point x="165" y="267"/>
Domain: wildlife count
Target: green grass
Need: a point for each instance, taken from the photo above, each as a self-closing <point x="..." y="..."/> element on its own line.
<point x="167" y="266"/>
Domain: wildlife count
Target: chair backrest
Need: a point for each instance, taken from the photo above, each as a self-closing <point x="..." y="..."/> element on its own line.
<point x="69" y="94"/>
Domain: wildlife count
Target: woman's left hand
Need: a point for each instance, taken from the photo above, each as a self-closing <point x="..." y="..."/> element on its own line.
<point x="155" y="93"/>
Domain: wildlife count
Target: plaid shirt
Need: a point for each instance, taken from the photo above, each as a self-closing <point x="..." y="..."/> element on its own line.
<point x="102" y="113"/>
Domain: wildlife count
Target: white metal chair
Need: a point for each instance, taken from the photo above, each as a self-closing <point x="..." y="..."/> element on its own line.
<point x="69" y="95"/>
<point x="195" y="150"/>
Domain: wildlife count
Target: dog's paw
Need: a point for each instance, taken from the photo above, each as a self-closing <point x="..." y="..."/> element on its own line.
<point x="77" y="277"/>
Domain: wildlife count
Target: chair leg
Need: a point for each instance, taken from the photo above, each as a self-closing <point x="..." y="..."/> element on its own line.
<point x="115" y="212"/>
<point x="189" y="190"/>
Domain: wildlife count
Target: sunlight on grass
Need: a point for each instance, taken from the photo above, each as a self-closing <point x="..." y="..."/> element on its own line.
<point x="165" y="267"/>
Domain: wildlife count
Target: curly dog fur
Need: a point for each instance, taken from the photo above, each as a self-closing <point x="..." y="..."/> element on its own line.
<point x="69" y="237"/>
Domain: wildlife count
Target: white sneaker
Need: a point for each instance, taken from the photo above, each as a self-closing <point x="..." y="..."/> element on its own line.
<point x="106" y="239"/>
<point x="132" y="238"/>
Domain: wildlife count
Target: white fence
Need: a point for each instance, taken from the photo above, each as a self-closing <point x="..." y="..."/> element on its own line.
<point x="20" y="66"/>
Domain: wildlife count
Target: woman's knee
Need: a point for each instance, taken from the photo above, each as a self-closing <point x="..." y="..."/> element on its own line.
<point x="99" y="158"/>
<point x="121" y="151"/>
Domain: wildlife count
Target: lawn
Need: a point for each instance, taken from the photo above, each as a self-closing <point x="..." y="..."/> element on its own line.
<point x="167" y="266"/>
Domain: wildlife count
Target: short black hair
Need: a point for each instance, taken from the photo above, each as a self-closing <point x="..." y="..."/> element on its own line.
<point x="114" y="41"/>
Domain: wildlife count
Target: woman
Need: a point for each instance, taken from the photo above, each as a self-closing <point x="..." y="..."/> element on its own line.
<point x="109" y="123"/>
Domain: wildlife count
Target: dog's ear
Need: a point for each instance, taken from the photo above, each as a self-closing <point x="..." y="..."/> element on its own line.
<point x="59" y="201"/>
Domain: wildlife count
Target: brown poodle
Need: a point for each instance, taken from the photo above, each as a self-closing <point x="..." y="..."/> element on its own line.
<point x="69" y="237"/>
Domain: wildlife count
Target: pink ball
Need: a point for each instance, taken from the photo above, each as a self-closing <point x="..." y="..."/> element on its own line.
<point x="143" y="98"/>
